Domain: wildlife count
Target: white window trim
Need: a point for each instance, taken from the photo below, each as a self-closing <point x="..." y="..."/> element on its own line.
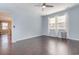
<point x="66" y="24"/>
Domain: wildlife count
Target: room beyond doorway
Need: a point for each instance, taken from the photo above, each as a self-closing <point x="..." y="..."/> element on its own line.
<point x="5" y="26"/>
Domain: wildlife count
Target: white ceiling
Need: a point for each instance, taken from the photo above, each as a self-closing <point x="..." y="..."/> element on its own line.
<point x="57" y="7"/>
<point x="31" y="6"/>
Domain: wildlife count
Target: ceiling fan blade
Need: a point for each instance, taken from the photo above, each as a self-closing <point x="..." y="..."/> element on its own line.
<point x="49" y="6"/>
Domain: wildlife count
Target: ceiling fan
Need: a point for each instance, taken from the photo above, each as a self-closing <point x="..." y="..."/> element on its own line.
<point x="44" y="5"/>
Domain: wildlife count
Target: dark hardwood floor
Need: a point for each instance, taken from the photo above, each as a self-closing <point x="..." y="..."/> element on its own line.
<point x="42" y="45"/>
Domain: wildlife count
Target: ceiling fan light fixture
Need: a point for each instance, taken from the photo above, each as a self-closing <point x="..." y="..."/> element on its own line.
<point x="43" y="6"/>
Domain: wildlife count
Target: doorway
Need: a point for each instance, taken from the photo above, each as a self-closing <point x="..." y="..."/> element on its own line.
<point x="5" y="28"/>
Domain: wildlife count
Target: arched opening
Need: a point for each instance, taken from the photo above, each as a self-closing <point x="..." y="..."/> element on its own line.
<point x="5" y="27"/>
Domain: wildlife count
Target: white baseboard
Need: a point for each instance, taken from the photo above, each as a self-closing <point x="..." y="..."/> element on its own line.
<point x="70" y="38"/>
<point x="73" y="38"/>
<point x="24" y="38"/>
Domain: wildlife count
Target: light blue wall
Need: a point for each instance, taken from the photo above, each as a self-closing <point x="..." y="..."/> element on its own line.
<point x="26" y="19"/>
<point x="44" y="25"/>
<point x="73" y="22"/>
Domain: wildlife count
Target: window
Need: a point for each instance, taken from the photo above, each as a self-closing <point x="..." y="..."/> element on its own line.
<point x="61" y="21"/>
<point x="57" y="23"/>
<point x="52" y="23"/>
<point x="4" y="26"/>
